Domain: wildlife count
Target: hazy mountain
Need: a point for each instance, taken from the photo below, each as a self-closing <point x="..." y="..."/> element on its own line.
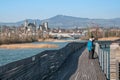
<point x="21" y="22"/>
<point x="66" y="21"/>
<point x="70" y="22"/>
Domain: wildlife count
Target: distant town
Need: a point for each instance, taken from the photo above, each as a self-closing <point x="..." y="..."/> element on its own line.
<point x="29" y="32"/>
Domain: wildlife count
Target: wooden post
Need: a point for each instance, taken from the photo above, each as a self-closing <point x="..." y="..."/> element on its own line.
<point x="117" y="69"/>
<point x="105" y="61"/>
<point x="107" y="73"/>
<point x="114" y="58"/>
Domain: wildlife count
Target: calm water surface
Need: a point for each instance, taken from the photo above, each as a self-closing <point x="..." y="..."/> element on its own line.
<point x="10" y="55"/>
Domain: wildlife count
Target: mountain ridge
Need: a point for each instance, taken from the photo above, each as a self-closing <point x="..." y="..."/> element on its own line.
<point x="64" y="21"/>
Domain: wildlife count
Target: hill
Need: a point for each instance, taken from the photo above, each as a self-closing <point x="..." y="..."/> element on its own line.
<point x="63" y="21"/>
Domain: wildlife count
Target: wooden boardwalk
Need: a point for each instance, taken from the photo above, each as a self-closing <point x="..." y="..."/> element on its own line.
<point x="88" y="69"/>
<point x="79" y="67"/>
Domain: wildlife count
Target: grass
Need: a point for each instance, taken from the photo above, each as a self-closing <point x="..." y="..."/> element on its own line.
<point x="26" y="45"/>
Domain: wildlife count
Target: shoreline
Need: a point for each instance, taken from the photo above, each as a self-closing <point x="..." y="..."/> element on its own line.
<point x="30" y="45"/>
<point x="109" y="38"/>
<point x="57" y="40"/>
<point x="27" y="45"/>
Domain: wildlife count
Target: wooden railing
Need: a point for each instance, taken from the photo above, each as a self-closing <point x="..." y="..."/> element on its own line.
<point x="104" y="57"/>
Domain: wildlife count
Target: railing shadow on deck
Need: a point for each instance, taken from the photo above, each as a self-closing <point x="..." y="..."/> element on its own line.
<point x="75" y="64"/>
<point x="68" y="68"/>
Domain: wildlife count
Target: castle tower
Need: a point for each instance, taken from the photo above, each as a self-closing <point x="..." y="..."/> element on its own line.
<point x="35" y="23"/>
<point x="25" y="26"/>
<point x="26" y="23"/>
<point x="46" y="25"/>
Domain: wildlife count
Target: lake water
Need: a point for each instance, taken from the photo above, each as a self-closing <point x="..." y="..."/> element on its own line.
<point x="10" y="55"/>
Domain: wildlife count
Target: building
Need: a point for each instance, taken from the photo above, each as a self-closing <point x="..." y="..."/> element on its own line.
<point x="30" y="27"/>
<point x="44" y="26"/>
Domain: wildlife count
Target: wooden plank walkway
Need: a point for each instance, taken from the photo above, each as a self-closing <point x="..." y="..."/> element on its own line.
<point x="79" y="67"/>
<point x="88" y="69"/>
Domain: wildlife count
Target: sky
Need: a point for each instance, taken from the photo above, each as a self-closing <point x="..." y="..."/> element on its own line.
<point x="16" y="10"/>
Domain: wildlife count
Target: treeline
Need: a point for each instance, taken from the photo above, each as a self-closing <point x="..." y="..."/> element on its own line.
<point x="17" y="39"/>
<point x="112" y="34"/>
<point x="103" y="33"/>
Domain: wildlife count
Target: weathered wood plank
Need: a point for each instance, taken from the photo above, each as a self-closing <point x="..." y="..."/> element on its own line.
<point x="88" y="69"/>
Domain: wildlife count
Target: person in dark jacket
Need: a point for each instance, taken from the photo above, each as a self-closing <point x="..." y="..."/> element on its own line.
<point x="93" y="48"/>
